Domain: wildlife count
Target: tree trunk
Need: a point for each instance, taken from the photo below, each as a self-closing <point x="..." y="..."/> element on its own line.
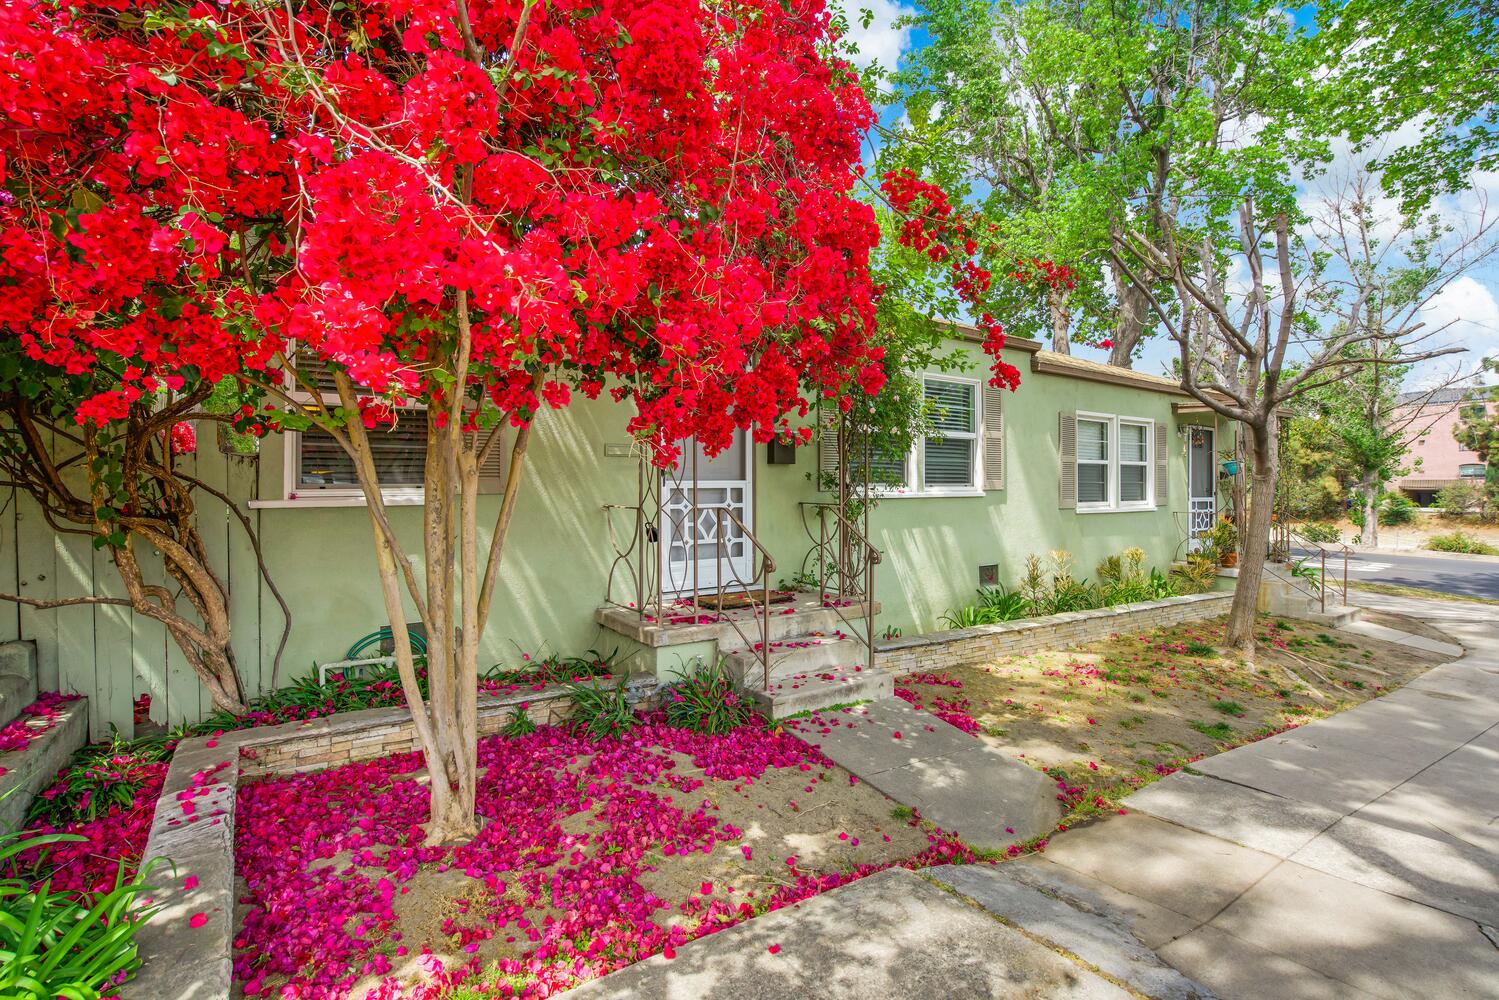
<point x="1369" y="534"/>
<point x="1130" y="326"/>
<point x="1255" y="533"/>
<point x="1060" y="312"/>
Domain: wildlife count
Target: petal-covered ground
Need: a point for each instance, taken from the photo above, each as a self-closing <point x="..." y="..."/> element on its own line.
<point x="594" y="854"/>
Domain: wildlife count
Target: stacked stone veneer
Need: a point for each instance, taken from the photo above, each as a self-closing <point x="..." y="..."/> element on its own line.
<point x="193" y="963"/>
<point x="941" y="650"/>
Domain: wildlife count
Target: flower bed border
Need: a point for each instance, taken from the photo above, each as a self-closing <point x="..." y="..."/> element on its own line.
<point x="31" y="770"/>
<point x="937" y="651"/>
<point x="180" y="960"/>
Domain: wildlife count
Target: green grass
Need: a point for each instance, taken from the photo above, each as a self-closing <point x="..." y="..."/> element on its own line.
<point x="1134" y="721"/>
<point x="1395" y="590"/>
<point x="903" y="813"/>
<point x="1220" y="731"/>
<point x="1229" y="708"/>
<point x="1200" y="649"/>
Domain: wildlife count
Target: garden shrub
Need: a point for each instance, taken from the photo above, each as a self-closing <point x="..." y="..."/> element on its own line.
<point x="64" y="944"/>
<point x="1198" y="574"/>
<point x="1459" y="541"/>
<point x="101" y="776"/>
<point x="706" y="701"/>
<point x="1394" y="509"/>
<point x="1320" y="532"/>
<point x="1045" y="590"/>
<point x="1461" y="499"/>
<point x="601" y="711"/>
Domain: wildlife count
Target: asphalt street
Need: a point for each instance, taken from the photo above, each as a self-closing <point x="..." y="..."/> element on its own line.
<point x="1476" y="577"/>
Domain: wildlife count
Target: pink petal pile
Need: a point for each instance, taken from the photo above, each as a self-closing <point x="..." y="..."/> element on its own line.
<point x="315" y="929"/>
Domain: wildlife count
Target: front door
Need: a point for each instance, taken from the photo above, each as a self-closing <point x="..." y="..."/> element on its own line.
<point x="1202" y="494"/>
<point x="702" y="550"/>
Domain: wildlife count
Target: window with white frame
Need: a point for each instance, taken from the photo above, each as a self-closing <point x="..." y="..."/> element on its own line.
<point x="1094" y="457"/>
<point x="945" y="460"/>
<point x="319" y="472"/>
<point x="1115" y="463"/>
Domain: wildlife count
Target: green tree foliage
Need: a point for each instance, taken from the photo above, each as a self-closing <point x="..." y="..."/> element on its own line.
<point x="1428" y="64"/>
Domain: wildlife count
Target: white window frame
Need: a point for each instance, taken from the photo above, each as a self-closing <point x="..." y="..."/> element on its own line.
<point x="293" y="495"/>
<point x="1115" y="504"/>
<point x="1147" y="499"/>
<point x="915" y="467"/>
<point x="1109" y="463"/>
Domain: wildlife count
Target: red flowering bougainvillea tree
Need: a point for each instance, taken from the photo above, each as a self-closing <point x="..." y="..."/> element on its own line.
<point x="113" y="331"/>
<point x="465" y="212"/>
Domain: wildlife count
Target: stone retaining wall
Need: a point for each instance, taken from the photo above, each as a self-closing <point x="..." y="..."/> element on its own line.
<point x="193" y="963"/>
<point x="29" y="771"/>
<point x="937" y="651"/>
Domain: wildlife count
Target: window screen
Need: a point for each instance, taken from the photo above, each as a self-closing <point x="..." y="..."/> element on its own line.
<point x="399" y="450"/>
<point x="1092" y="461"/>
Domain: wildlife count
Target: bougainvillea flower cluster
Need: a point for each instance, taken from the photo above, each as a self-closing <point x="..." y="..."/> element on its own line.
<point x="315" y="927"/>
<point x="649" y="195"/>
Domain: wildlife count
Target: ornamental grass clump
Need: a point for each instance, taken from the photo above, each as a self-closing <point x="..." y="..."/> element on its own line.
<point x="601" y="711"/>
<point x="78" y="946"/>
<point x="706" y="701"/>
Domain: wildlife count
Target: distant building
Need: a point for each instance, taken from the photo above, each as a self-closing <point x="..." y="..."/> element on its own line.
<point x="1436" y="461"/>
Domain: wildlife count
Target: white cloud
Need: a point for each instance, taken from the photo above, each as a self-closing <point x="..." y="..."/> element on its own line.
<point x="882" y="41"/>
<point x="1468" y="315"/>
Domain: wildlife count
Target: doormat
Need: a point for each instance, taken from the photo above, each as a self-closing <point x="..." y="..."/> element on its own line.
<point x="736" y="601"/>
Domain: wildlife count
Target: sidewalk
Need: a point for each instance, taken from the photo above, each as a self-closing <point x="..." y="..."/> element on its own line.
<point x="1353" y="857"/>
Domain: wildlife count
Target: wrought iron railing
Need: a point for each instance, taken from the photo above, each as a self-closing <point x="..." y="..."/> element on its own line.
<point x="1284" y="542"/>
<point x="842" y="560"/>
<point x="638" y="576"/>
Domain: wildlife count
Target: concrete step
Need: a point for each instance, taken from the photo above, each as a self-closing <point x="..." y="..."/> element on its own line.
<point x="678" y="625"/>
<point x="804" y="653"/>
<point x="824" y="689"/>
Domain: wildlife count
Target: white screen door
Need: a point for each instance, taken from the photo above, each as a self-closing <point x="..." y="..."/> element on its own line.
<point x="1202" y="493"/>
<point x="690" y="522"/>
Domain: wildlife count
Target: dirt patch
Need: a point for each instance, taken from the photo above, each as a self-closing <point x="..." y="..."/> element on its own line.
<point x="1114" y="715"/>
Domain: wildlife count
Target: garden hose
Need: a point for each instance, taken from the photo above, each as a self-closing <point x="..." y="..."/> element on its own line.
<point x="382" y="635"/>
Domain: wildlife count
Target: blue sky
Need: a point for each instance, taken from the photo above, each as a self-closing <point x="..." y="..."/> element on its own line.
<point x="1468" y="309"/>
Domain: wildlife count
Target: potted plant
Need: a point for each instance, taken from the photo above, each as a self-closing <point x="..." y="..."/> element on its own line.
<point x="1225" y="538"/>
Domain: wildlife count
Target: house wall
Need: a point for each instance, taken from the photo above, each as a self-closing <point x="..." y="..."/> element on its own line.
<point x="559" y="556"/>
<point x="1434" y="453"/>
<point x="933" y="546"/>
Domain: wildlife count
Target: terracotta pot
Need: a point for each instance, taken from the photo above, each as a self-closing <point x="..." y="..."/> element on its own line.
<point x="1230" y="560"/>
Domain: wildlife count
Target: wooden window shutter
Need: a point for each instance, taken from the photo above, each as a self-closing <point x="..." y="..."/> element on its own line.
<point x="1067" y="451"/>
<point x="1162" y="467"/>
<point x="994" y="437"/>
<point x="828" y="453"/>
<point x="496" y="464"/>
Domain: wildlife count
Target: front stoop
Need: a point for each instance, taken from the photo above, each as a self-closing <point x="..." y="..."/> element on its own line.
<point x="814" y="662"/>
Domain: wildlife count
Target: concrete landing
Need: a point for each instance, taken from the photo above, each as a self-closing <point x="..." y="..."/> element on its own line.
<point x="966" y="787"/>
<point x="890" y="935"/>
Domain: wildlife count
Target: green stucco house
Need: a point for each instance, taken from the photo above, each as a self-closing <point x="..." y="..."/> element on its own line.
<point x="608" y="554"/>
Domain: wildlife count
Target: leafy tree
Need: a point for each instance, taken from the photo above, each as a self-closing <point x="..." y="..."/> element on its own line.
<point x="1427" y="64"/>
<point x="1479" y="432"/>
<point x="1073" y="124"/>
<point x="452" y="214"/>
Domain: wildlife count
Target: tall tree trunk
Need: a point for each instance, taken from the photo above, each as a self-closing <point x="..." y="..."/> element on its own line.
<point x="1255" y="533"/>
<point x="1369" y="498"/>
<point x="1059" y="310"/>
<point x="1129" y="327"/>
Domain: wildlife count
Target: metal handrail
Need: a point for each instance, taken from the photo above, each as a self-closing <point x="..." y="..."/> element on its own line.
<point x="853" y="559"/>
<point x="1287" y="537"/>
<point x="638" y="563"/>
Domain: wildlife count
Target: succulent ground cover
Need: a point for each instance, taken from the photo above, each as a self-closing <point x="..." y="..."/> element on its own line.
<point x="595" y="853"/>
<point x="1115" y="715"/>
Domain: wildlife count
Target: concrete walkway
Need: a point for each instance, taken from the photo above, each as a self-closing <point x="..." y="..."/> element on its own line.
<point x="957" y="781"/>
<point x="1353" y="857"/>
